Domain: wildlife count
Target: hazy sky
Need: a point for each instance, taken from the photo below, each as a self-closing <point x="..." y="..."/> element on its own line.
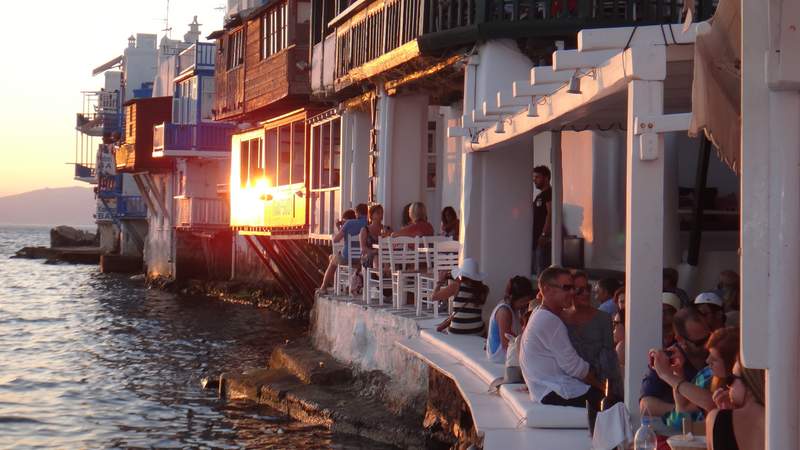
<point x="53" y="45"/>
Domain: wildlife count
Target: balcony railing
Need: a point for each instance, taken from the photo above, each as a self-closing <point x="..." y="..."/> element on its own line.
<point x="199" y="56"/>
<point x="101" y="113"/>
<point x="368" y="30"/>
<point x="131" y="207"/>
<point x="198" y="212"/>
<point x="203" y="139"/>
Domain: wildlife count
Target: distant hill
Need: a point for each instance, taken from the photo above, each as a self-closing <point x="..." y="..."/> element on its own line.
<point x="58" y="206"/>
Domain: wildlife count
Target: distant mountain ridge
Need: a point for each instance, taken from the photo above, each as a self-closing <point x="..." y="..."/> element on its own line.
<point x="51" y="207"/>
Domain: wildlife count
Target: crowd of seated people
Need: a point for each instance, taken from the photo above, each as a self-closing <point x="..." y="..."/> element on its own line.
<point x="572" y="352"/>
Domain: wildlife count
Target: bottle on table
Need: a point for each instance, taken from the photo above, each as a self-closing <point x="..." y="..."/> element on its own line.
<point x="645" y="437"/>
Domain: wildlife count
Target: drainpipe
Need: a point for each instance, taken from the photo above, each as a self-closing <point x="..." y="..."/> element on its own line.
<point x="557" y="211"/>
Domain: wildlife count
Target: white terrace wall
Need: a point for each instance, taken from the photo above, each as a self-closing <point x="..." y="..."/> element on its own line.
<point x="497" y="198"/>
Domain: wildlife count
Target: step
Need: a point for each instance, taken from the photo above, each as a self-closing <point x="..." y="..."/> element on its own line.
<point x="309" y="365"/>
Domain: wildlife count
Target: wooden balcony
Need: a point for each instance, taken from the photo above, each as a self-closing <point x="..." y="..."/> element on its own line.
<point x="204" y="140"/>
<point x="136" y="153"/>
<point x="196" y="212"/>
<point x="374" y="36"/>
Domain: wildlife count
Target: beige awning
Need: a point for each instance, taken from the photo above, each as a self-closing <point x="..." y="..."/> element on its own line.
<point x="716" y="96"/>
<point x="103" y="67"/>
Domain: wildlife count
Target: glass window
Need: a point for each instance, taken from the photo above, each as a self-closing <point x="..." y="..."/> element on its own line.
<point x="275" y="30"/>
<point x="298" y="152"/>
<point x="244" y="162"/>
<point x="316" y="176"/>
<point x="235" y="49"/>
<point x="284" y="154"/>
<point x="207" y="99"/>
<point x="271" y="156"/>
<point x="255" y="169"/>
<point x="325" y="144"/>
<point x="336" y="151"/>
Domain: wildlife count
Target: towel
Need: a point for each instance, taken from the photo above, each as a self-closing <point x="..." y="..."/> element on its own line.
<point x="612" y="428"/>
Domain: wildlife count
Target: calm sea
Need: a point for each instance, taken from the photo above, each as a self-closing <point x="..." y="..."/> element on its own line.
<point x="89" y="360"/>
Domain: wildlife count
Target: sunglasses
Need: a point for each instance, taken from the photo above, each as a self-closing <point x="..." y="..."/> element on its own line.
<point x="697" y="342"/>
<point x="564" y="287"/>
<point x="731" y="378"/>
<point x="582" y="290"/>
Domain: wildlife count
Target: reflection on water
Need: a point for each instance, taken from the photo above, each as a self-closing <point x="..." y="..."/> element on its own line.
<point x="96" y="361"/>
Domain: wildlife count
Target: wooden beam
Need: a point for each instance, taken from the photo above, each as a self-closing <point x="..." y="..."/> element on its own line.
<point x="640" y="36"/>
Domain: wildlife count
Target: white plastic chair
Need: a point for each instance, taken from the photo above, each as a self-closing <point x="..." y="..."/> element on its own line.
<point x="404" y="266"/>
<point x="444" y="259"/>
<point x="341" y="281"/>
<point x="374" y="279"/>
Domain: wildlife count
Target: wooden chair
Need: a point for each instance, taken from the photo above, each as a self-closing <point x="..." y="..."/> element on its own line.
<point x="404" y="266"/>
<point x="444" y="259"/>
<point x="375" y="280"/>
<point x="341" y="283"/>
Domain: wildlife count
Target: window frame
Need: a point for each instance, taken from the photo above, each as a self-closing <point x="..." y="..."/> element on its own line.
<point x="326" y="175"/>
<point x="235" y="47"/>
<point x="274" y="30"/>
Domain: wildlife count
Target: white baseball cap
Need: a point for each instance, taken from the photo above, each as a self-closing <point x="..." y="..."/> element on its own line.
<point x="668" y="298"/>
<point x="710" y="298"/>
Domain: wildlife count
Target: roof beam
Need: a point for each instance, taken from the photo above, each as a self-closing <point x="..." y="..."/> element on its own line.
<point x="620" y="38"/>
<point x="525" y="89"/>
<point x="546" y="74"/>
<point x="574" y="59"/>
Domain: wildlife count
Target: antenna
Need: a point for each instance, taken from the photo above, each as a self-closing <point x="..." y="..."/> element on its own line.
<point x="167" y="29"/>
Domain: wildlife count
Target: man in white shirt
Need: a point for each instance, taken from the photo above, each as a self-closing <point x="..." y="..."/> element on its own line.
<point x="553" y="371"/>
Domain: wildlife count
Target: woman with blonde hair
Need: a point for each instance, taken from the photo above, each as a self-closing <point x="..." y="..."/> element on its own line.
<point x="419" y="222"/>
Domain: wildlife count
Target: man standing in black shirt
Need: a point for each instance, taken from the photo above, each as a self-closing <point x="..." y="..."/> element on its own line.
<point x="542" y="230"/>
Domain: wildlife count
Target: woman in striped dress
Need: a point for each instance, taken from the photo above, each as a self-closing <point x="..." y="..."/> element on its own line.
<point x="469" y="294"/>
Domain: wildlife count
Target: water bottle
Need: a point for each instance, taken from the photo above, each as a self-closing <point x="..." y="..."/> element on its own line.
<point x="645" y="438"/>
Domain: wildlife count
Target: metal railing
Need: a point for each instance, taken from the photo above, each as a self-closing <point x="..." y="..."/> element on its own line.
<point x="202" y="137"/>
<point x="202" y="212"/>
<point x="131" y="207"/>
<point x="199" y="56"/>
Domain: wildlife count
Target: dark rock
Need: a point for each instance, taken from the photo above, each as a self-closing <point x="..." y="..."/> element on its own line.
<point x="34" y="253"/>
<point x="64" y="236"/>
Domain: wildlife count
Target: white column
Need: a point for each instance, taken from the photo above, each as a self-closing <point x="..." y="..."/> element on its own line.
<point x="557" y="201"/>
<point x="672" y="227"/>
<point x="347" y="160"/>
<point x="385" y="130"/>
<point x="644" y="241"/>
<point x="471" y="182"/>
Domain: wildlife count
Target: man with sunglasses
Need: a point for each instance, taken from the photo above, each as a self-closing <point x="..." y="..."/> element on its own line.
<point x="692" y="396"/>
<point x="552" y="369"/>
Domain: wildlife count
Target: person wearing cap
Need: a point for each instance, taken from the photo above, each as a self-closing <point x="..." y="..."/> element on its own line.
<point x="670" y="284"/>
<point x="469" y="294"/>
<point x="709" y="305"/>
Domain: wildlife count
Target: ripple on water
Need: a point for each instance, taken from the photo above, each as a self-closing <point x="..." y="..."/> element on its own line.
<point x="97" y="361"/>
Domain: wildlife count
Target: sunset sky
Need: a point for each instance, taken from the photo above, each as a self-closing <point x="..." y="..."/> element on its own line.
<point x="52" y="47"/>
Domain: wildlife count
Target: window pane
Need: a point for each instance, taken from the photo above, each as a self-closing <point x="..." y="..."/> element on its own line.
<point x="298" y="152"/>
<point x="271" y="156"/>
<point x="255" y="171"/>
<point x="316" y="158"/>
<point x="284" y="154"/>
<point x="325" y="146"/>
<point x="244" y="159"/>
<point x="336" y="152"/>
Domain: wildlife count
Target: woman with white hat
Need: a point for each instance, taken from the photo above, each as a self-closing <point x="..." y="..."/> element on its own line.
<point x="469" y="296"/>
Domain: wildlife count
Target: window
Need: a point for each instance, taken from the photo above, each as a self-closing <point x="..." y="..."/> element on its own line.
<point x="271" y="156"/>
<point x="235" y="49"/>
<point x="207" y="99"/>
<point x="430" y="171"/>
<point x="298" y="152"/>
<point x="275" y="30"/>
<point x="284" y="154"/>
<point x="326" y="153"/>
<point x="250" y="162"/>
